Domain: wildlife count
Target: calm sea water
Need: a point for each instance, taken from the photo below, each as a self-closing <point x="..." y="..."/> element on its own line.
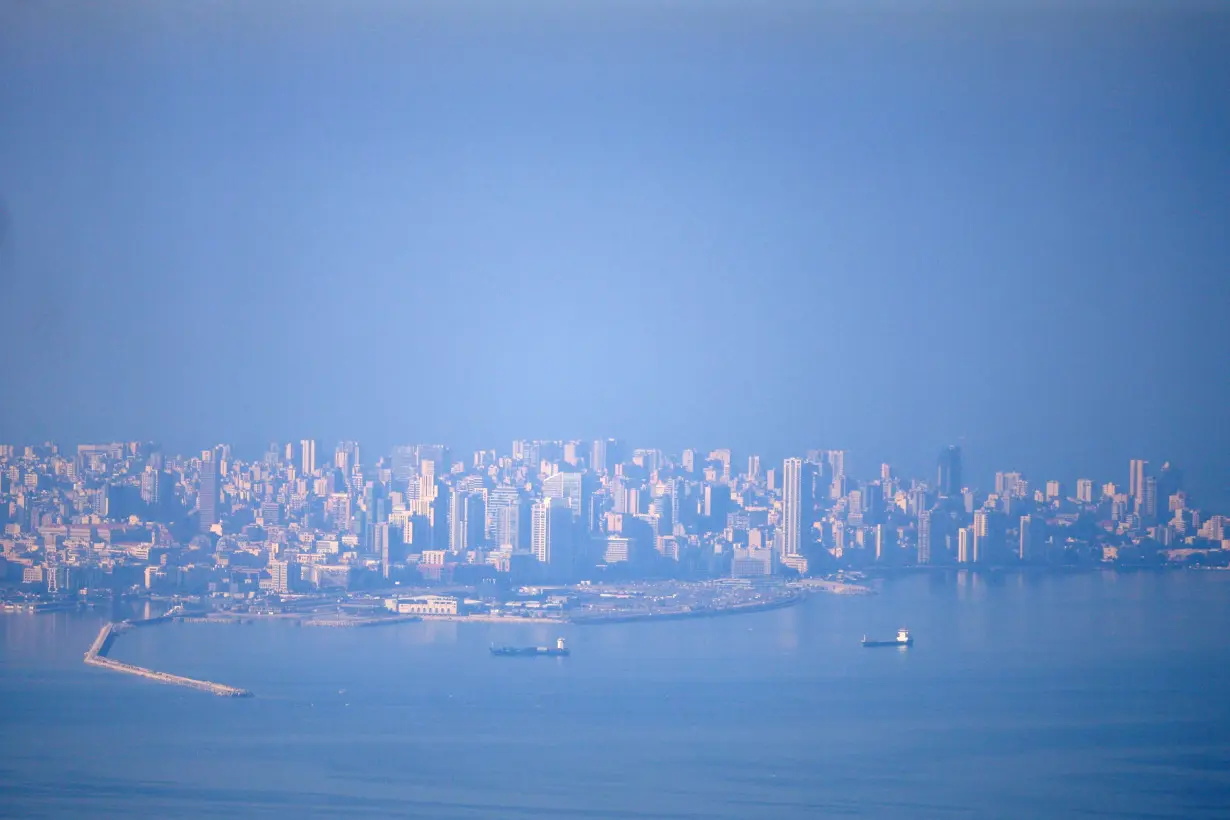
<point x="1086" y="695"/>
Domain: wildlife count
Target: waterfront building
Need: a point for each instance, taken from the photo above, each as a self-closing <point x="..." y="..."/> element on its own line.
<point x="924" y="537"/>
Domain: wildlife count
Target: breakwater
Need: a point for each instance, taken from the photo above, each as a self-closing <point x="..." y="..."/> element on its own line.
<point x="96" y="655"/>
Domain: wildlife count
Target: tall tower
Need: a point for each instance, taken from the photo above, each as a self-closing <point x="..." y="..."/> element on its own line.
<point x="307" y="456"/>
<point x="1146" y="505"/>
<point x="753" y="468"/>
<point x="1084" y="490"/>
<point x="722" y="457"/>
<point x="797" y="504"/>
<point x="551" y="531"/>
<point x="457" y="528"/>
<point x="948" y="478"/>
<point x="565" y="486"/>
<point x="985" y="536"/>
<point x="207" y="499"/>
<point x="1136" y="478"/>
<point x="924" y="537"/>
<point x="963" y="546"/>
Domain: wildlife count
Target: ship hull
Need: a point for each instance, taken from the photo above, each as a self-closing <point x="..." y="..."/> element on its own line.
<point x="528" y="652"/>
<point x="876" y="644"/>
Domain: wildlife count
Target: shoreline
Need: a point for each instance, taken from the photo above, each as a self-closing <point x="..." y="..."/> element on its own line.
<point x="677" y="615"/>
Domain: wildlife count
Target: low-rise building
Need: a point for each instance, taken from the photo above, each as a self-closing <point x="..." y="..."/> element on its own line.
<point x="426" y="605"/>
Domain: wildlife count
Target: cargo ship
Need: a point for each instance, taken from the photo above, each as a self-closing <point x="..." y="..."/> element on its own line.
<point x="903" y="639"/>
<point x="558" y="651"/>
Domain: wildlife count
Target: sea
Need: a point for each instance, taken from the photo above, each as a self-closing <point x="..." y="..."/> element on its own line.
<point x="1098" y="694"/>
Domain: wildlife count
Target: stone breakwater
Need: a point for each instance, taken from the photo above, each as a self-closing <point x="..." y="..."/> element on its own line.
<point x="96" y="655"/>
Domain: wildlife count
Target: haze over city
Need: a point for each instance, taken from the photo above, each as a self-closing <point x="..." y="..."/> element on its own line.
<point x="692" y="225"/>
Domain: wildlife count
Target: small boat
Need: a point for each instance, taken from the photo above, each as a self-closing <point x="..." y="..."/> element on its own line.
<point x="903" y="639"/>
<point x="558" y="651"/>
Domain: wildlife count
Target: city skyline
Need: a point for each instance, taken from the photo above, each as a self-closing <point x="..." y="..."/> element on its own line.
<point x="557" y="511"/>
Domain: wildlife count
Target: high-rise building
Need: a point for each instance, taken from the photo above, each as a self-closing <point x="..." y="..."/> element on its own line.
<point x="307" y="456"/>
<point x="346" y="456"/>
<point x="886" y="541"/>
<point x="381" y="547"/>
<point x="722" y="457"/>
<point x="964" y="546"/>
<point x="505" y="508"/>
<point x="1136" y="477"/>
<point x="1146" y="504"/>
<point x="716" y="502"/>
<point x="157" y="487"/>
<point x="551" y="534"/>
<point x="1009" y="485"/>
<point x="753" y="468"/>
<point x="598" y="456"/>
<point x="1084" y="490"/>
<point x="797" y="505"/>
<point x="403" y="462"/>
<point x="207" y="496"/>
<point x="948" y="478"/>
<point x="1026" y="551"/>
<point x="986" y="534"/>
<point x="280" y="573"/>
<point x="837" y="462"/>
<point x="924" y="537"/>
<point x="457" y="527"/>
<point x="1053" y="490"/>
<point x="565" y="486"/>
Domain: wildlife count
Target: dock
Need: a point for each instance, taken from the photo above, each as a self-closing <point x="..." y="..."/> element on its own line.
<point x="360" y="622"/>
<point x="96" y="655"/>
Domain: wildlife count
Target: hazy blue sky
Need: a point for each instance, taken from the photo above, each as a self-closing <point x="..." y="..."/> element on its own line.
<point x="682" y="223"/>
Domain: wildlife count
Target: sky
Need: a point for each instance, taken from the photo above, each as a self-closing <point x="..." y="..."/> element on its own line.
<point x="883" y="227"/>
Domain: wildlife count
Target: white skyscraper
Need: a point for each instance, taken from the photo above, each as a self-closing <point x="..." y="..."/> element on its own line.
<point x="796" y="506"/>
<point x="551" y="531"/>
<point x="307" y="456"/>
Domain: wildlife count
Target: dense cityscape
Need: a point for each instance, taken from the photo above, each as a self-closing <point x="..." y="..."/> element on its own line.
<point x="129" y="519"/>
